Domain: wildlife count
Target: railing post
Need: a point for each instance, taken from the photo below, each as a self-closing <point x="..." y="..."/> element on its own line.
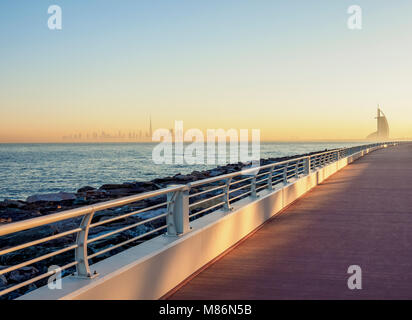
<point x="297" y="170"/>
<point x="307" y="166"/>
<point x="82" y="267"/>
<point x="177" y="218"/>
<point x="270" y="186"/>
<point x="253" y="188"/>
<point x="285" y="173"/>
<point x="226" y="195"/>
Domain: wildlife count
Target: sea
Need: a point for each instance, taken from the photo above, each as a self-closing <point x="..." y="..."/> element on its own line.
<point x="28" y="169"/>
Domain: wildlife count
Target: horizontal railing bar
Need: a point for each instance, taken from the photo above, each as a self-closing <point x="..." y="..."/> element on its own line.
<point x="277" y="181"/>
<point x="129" y="214"/>
<point x="240" y="173"/>
<point x="262" y="180"/>
<point x="206" y="200"/>
<point x="240" y="181"/>
<point x="206" y="191"/>
<point x="37" y="278"/>
<point x="262" y="174"/>
<point x="207" y="209"/>
<point x="292" y="165"/>
<point x="239" y="188"/>
<point x="239" y="196"/>
<point x="134" y="225"/>
<point x="43" y="257"/>
<point x="277" y="175"/>
<point x="261" y="187"/>
<point x="36" y="242"/>
<point x="78" y="212"/>
<point x="125" y="242"/>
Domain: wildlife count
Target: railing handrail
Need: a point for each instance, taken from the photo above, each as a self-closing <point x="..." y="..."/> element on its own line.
<point x="243" y="172"/>
<point x="266" y="166"/>
<point x="79" y="212"/>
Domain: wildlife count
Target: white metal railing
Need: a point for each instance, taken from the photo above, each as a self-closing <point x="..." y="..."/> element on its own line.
<point x="179" y="204"/>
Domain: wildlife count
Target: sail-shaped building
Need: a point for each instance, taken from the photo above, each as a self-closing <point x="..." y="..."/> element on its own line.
<point x="382" y="127"/>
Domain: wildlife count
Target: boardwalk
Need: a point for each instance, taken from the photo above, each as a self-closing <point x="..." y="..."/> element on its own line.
<point x="362" y="216"/>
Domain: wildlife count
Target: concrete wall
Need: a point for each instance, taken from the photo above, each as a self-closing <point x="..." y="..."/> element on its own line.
<point x="152" y="269"/>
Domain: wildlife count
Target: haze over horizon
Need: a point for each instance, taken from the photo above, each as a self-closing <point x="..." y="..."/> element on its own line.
<point x="291" y="69"/>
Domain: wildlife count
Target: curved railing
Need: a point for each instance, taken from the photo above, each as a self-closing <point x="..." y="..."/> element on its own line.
<point x="168" y="211"/>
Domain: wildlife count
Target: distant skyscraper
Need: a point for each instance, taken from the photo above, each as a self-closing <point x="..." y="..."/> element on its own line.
<point x="382" y="127"/>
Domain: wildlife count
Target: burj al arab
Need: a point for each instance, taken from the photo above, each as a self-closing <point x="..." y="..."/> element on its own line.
<point x="382" y="127"/>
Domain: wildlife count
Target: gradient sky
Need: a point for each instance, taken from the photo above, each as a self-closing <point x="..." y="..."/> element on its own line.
<point x="290" y="68"/>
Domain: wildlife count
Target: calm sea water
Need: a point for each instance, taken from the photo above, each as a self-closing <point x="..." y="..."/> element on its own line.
<point x="27" y="169"/>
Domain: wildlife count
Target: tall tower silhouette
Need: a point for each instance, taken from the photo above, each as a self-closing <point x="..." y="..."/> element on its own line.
<point x="382" y="126"/>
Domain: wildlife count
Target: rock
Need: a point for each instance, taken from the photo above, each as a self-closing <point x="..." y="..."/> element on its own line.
<point x="3" y="281"/>
<point x="166" y="180"/>
<point x="128" y="188"/>
<point x="120" y="192"/>
<point x="22" y="274"/>
<point x="80" y="201"/>
<point x="5" y="220"/>
<point x="35" y="213"/>
<point x="95" y="194"/>
<point x="184" y="178"/>
<point x="198" y="175"/>
<point x="158" y="186"/>
<point x="31" y="287"/>
<point x="111" y="186"/>
<point x="85" y="189"/>
<point x="13" y="204"/>
<point x="144" y="186"/>
<point x="152" y="213"/>
<point x="51" y="197"/>
<point x="214" y="173"/>
<point x="23" y="237"/>
<point x="15" y="214"/>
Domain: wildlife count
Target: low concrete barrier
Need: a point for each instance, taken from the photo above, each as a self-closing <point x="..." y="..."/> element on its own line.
<point x="152" y="269"/>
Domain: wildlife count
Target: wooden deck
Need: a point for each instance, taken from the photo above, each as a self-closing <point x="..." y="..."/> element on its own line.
<point x="362" y="216"/>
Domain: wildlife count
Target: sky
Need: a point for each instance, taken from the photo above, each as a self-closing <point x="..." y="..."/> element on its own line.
<point x="291" y="68"/>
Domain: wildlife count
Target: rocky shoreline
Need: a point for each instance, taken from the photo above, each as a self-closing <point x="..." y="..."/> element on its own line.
<point x="44" y="204"/>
